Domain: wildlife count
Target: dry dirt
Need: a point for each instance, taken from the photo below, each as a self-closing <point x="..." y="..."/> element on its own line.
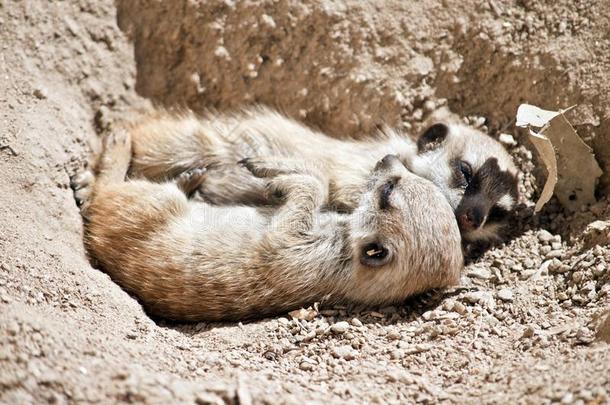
<point x="526" y="326"/>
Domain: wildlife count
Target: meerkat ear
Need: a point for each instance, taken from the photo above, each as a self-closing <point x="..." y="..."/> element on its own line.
<point x="432" y="138"/>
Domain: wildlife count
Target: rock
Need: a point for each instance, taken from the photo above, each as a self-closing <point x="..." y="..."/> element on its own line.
<point x="544" y="250"/>
<point x="479" y="273"/>
<point x="207" y="398"/>
<point x="340" y="327"/>
<point x="554" y="266"/>
<point x="483" y="298"/>
<point x="459" y="308"/>
<point x="567" y="398"/>
<point x="603" y="332"/>
<point x="309" y="336"/>
<point x="544" y="236"/>
<point x="306" y="366"/>
<point x="268" y="21"/>
<point x="356" y="322"/>
<point x="553" y="254"/>
<point x="529" y="332"/>
<point x="343" y="352"/>
<point x="393" y="335"/>
<point x="427" y="315"/>
<point x="507" y="139"/>
<point x="505" y="294"/>
<point x="40" y="93"/>
<point x="429" y="106"/>
<point x="597" y="233"/>
<point x="420" y="65"/>
<point x="529" y="263"/>
<point x="305" y="314"/>
<point x="525" y="274"/>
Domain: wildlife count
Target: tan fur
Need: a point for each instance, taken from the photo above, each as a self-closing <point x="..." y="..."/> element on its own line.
<point x="188" y="260"/>
<point x="168" y="144"/>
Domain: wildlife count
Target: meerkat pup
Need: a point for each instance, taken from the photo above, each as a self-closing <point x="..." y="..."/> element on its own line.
<point x="191" y="261"/>
<point x="472" y="170"/>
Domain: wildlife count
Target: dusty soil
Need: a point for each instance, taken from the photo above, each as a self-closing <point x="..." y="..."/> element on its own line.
<point x="527" y="324"/>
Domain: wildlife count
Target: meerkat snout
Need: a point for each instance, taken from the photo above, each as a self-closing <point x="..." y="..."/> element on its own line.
<point x="474" y="172"/>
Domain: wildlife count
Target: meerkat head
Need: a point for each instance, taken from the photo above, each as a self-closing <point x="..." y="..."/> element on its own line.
<point x="404" y="236"/>
<point x="474" y="172"/>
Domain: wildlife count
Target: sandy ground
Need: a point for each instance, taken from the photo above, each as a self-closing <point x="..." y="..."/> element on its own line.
<point x="527" y="324"/>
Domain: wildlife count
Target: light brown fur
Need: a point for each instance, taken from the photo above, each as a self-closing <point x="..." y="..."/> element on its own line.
<point x="166" y="145"/>
<point x="188" y="260"/>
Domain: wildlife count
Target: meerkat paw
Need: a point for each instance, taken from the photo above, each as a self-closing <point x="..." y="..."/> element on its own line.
<point x="82" y="184"/>
<point x="119" y="142"/>
<point x="264" y="167"/>
<point x="190" y="181"/>
<point x="116" y="156"/>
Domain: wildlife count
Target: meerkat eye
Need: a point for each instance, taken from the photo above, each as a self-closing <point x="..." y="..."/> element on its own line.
<point x="466" y="171"/>
<point x="374" y="254"/>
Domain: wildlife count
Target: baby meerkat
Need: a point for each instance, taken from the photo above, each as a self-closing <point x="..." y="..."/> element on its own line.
<point x="190" y="261"/>
<point x="473" y="171"/>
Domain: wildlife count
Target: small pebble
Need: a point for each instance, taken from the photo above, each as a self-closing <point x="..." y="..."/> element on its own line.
<point x="553" y="254"/>
<point x="356" y="322"/>
<point x="529" y="331"/>
<point x="460" y="308"/>
<point x="429" y="106"/>
<point x="507" y="139"/>
<point x="340" y="327"/>
<point x="393" y="335"/>
<point x="505" y="294"/>
<point x="483" y="298"/>
<point x="545" y="249"/>
<point x="40" y="93"/>
<point x="479" y="273"/>
<point x="343" y="352"/>
<point x="544" y="236"/>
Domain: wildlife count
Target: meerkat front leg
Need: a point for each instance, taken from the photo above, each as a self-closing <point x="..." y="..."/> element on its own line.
<point x="303" y="194"/>
<point x="269" y="166"/>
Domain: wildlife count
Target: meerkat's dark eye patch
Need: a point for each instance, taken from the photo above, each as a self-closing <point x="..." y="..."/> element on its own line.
<point x="386" y="192"/>
<point x="497" y="214"/>
<point x="432" y="138"/>
<point x="374" y="254"/>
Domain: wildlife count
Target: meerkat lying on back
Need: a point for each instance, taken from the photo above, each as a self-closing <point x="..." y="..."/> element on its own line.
<point x="190" y="261"/>
<point x="473" y="171"/>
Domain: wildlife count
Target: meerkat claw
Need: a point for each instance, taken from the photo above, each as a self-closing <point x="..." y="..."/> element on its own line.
<point x="190" y="181"/>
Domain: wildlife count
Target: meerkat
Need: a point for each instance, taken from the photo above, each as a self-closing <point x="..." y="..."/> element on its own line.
<point x="188" y="260"/>
<point x="474" y="171"/>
